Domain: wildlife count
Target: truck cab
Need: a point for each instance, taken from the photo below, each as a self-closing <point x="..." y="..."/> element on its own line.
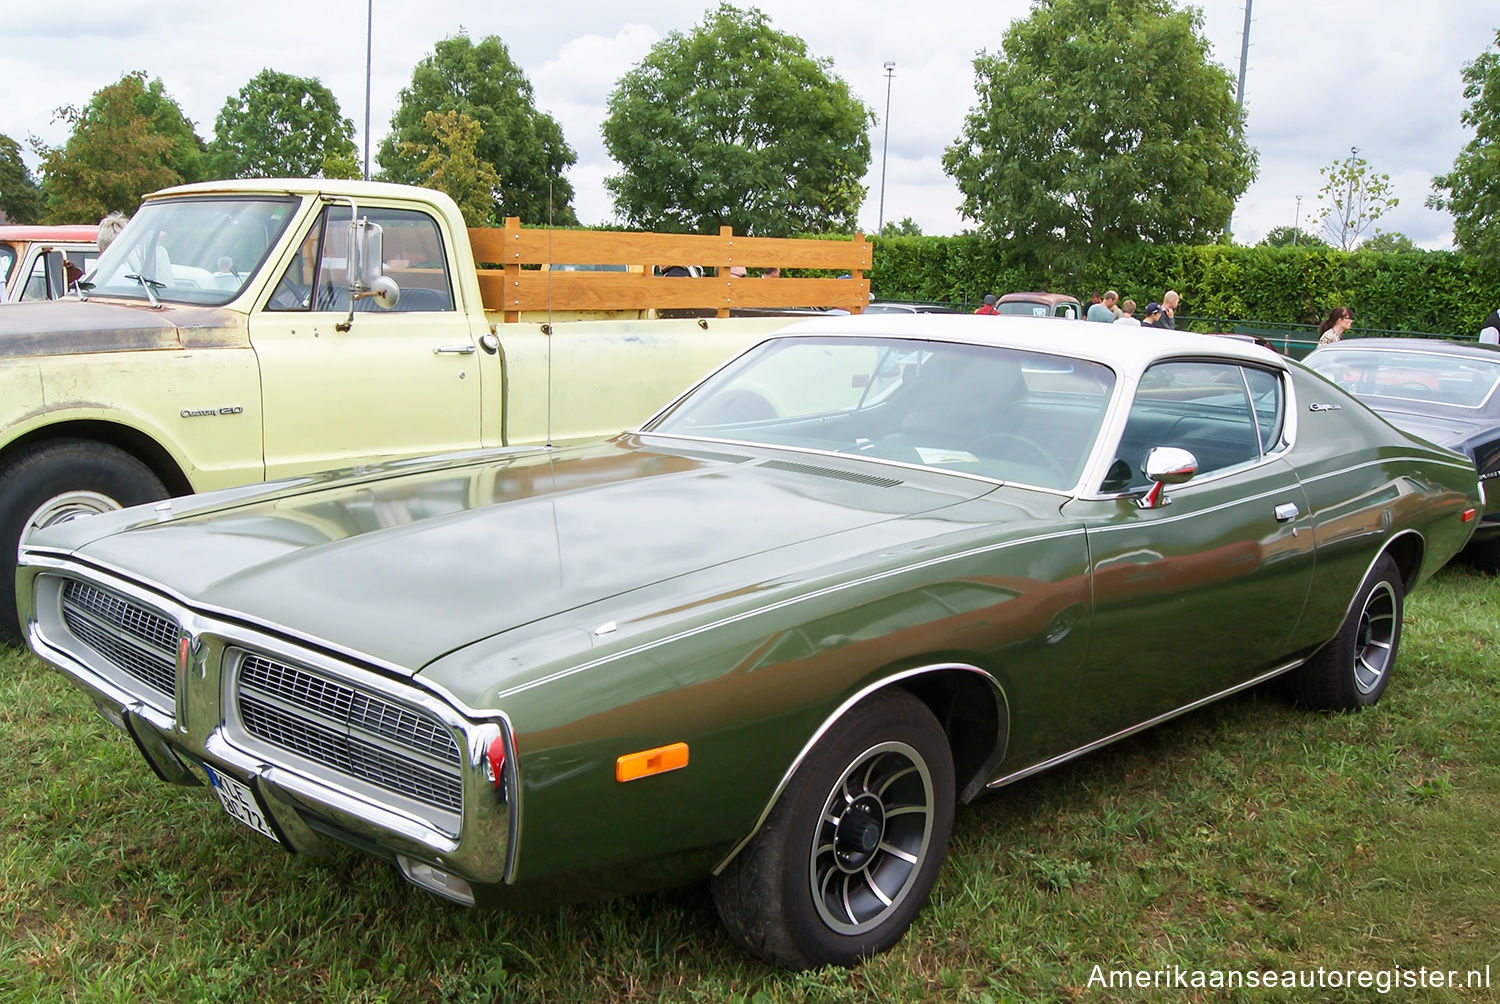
<point x="36" y="262"/>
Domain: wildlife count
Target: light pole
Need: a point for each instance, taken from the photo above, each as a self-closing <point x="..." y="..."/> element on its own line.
<point x="1297" y="222"/>
<point x="890" y="71"/>
<point x="369" y="48"/>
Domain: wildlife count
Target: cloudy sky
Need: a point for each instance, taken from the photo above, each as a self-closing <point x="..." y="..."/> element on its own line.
<point x="1322" y="76"/>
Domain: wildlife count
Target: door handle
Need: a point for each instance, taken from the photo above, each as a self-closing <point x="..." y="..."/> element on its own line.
<point x="454" y="350"/>
<point x="1286" y="512"/>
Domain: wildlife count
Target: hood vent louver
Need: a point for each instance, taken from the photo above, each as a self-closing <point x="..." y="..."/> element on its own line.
<point x="830" y="472"/>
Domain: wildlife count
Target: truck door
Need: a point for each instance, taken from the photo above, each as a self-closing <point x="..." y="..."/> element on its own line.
<point x="397" y="383"/>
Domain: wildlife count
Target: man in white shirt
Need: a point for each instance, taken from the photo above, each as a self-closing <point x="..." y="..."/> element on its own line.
<point x="1490" y="333"/>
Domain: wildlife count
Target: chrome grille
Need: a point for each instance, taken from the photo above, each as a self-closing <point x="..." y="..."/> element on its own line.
<point x="133" y="638"/>
<point x="358" y="733"/>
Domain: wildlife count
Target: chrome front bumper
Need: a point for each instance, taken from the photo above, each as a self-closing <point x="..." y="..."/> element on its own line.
<point x="305" y="801"/>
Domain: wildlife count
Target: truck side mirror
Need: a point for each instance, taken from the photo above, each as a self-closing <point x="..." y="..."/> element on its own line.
<point x="366" y="257"/>
<point x="366" y="247"/>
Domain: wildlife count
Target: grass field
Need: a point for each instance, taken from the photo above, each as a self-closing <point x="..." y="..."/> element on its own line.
<point x="1250" y="836"/>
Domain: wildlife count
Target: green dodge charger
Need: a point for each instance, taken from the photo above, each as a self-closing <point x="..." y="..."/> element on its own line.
<point x="871" y="568"/>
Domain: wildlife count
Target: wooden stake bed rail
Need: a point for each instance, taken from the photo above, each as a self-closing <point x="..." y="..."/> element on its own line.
<point x="634" y="258"/>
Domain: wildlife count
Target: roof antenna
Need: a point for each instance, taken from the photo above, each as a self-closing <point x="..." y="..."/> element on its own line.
<point x="547" y="328"/>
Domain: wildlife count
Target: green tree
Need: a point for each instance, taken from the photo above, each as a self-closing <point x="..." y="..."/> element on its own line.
<point x="523" y="146"/>
<point x="130" y="139"/>
<point x="735" y="124"/>
<point x="1354" y="197"/>
<point x="1285" y="237"/>
<point x="906" y="228"/>
<point x="1392" y="241"/>
<point x="1102" y="122"/>
<point x="279" y="126"/>
<point x="451" y="164"/>
<point x="20" y="196"/>
<point x="1473" y="186"/>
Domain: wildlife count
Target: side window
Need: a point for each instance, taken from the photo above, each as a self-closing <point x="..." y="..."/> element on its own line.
<point x="294" y="291"/>
<point x="414" y="258"/>
<point x="1205" y="408"/>
<point x="36" y="282"/>
<point x="413" y="247"/>
<point x="1265" y="397"/>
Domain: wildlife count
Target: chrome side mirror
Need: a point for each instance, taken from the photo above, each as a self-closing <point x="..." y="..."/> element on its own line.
<point x="1166" y="465"/>
<point x="366" y="247"/>
<point x="363" y="267"/>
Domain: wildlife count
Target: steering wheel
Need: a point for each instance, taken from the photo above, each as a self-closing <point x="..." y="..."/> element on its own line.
<point x="994" y="445"/>
<point x="290" y="297"/>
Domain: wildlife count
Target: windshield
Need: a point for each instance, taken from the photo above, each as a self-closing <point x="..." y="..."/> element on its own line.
<point x="1000" y="413"/>
<point x="1388" y="376"/>
<point x="7" y="261"/>
<point x="197" y="250"/>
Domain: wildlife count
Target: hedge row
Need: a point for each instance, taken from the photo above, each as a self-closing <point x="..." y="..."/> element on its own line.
<point x="1440" y="292"/>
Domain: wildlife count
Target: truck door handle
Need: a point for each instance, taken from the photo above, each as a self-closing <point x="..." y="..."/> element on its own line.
<point x="454" y="350"/>
<point x="1286" y="512"/>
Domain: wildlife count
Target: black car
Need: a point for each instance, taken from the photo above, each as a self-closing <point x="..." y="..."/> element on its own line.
<point x="1447" y="392"/>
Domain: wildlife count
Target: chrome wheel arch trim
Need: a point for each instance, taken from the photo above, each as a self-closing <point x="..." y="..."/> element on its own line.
<point x="1002" y="708"/>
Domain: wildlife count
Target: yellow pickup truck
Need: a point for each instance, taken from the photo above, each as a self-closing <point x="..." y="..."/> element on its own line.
<point x="241" y="331"/>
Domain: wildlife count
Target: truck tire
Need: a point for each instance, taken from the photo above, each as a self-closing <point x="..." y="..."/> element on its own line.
<point x="56" y="481"/>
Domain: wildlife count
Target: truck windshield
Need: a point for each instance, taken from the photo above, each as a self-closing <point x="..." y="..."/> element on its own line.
<point x="199" y="250"/>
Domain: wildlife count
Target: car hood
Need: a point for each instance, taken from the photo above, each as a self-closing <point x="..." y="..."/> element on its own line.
<point x="69" y="326"/>
<point x="405" y="563"/>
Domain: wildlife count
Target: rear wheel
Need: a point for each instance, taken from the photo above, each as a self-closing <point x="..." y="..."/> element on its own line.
<point x="54" y="482"/>
<point x="850" y="852"/>
<point x="1352" y="670"/>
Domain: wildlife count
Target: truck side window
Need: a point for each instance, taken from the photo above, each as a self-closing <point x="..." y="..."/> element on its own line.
<point x="414" y="257"/>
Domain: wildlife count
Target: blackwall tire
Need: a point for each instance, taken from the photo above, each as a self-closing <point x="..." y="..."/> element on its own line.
<point x="848" y="856"/>
<point x="56" y="481"/>
<point x="1353" y="670"/>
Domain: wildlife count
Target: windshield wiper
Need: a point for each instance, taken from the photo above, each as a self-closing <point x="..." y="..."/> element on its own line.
<point x="150" y="286"/>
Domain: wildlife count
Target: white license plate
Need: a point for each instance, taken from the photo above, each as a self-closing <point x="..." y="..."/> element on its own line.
<point x="239" y="801"/>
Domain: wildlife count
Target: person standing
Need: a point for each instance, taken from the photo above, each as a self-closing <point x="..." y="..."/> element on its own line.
<point x="1338" y="321"/>
<point x="1153" y="316"/>
<point x="1127" y="315"/>
<point x="1103" y="311"/>
<point x="1490" y="333"/>
<point x="988" y="306"/>
<point x="1169" y="301"/>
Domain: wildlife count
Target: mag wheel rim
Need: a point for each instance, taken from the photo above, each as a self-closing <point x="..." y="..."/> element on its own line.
<point x="872" y="838"/>
<point x="1375" y="638"/>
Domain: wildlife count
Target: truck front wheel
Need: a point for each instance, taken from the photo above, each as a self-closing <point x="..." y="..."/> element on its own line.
<point x="54" y="482"/>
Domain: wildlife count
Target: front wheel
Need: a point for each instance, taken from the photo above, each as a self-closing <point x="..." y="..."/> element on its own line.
<point x="1352" y="670"/>
<point x="54" y="482"/>
<point x="849" y="854"/>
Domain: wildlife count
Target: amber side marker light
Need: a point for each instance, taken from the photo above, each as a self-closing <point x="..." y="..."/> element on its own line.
<point x="633" y="766"/>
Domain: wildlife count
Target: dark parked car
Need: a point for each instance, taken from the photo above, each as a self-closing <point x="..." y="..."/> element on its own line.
<point x="871" y="568"/>
<point x="1448" y="392"/>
